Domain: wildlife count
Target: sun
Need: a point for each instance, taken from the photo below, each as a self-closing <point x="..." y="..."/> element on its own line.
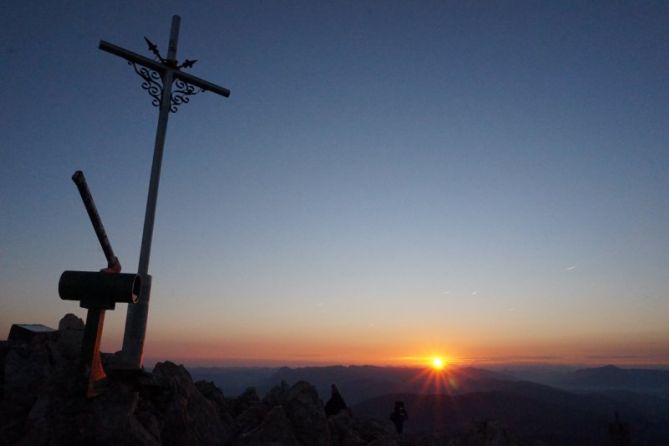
<point x="438" y="363"/>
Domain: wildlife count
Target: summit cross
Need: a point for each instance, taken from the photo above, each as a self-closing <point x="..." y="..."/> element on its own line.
<point x="159" y="77"/>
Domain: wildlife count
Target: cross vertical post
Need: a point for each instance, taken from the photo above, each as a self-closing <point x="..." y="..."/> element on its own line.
<point x="168" y="72"/>
<point x="136" y="318"/>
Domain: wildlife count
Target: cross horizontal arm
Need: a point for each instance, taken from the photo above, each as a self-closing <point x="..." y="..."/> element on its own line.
<point x="205" y="85"/>
<point x="132" y="57"/>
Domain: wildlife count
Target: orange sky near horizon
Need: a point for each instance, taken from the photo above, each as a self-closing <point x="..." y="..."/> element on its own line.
<point x="395" y="350"/>
<point x="187" y="340"/>
<point x="276" y="353"/>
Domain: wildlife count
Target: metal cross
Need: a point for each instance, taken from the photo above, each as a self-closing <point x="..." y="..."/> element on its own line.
<point x="159" y="77"/>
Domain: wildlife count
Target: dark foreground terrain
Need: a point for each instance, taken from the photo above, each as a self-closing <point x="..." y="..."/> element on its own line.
<point x="42" y="403"/>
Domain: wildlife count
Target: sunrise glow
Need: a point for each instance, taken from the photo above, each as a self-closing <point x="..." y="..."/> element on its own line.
<point x="438" y="363"/>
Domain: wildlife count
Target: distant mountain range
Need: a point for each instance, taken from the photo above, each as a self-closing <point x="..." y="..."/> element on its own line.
<point x="615" y="378"/>
<point x="578" y="412"/>
<point x="364" y="382"/>
<point x="233" y="381"/>
<point x="358" y="383"/>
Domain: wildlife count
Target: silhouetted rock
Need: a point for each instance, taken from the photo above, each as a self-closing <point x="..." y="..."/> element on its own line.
<point x="189" y="417"/>
<point x="28" y="333"/>
<point x="70" y="332"/>
<point x="370" y="429"/>
<point x="389" y="440"/>
<point x="27" y="372"/>
<point x="277" y="394"/>
<point x="209" y="390"/>
<point x="275" y="429"/>
<point x="71" y="322"/>
<point x="246" y="400"/>
<point x="487" y="433"/>
<point x="343" y="432"/>
<point x="44" y="404"/>
<point x="4" y="348"/>
<point x="307" y="415"/>
<point x="43" y="400"/>
<point x="250" y="419"/>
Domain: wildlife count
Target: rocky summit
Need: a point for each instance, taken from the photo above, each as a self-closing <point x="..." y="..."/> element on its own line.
<point x="42" y="403"/>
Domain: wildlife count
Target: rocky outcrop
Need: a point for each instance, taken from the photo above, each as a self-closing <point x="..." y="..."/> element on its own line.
<point x="43" y="400"/>
<point x="185" y="415"/>
<point x="224" y="406"/>
<point x="307" y="414"/>
<point x="275" y="429"/>
<point x="343" y="431"/>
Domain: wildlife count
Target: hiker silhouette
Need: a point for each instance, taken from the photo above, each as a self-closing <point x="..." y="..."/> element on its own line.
<point x="399" y="416"/>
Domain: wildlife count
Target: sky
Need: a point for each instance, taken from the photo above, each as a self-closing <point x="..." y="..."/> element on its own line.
<point x="388" y="181"/>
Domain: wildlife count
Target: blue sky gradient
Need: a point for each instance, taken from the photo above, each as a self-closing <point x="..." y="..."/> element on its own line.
<point x="388" y="179"/>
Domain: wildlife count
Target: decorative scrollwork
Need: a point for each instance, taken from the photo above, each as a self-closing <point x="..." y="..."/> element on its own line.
<point x="181" y="94"/>
<point x="153" y="83"/>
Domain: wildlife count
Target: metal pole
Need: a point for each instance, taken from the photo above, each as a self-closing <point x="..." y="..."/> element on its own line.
<point x="135" y="323"/>
<point x="79" y="179"/>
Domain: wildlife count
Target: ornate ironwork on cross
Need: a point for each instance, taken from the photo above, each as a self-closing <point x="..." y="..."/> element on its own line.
<point x="153" y="81"/>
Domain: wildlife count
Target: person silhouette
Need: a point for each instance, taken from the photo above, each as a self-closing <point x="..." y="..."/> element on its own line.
<point x="619" y="432"/>
<point x="399" y="416"/>
<point x="336" y="403"/>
